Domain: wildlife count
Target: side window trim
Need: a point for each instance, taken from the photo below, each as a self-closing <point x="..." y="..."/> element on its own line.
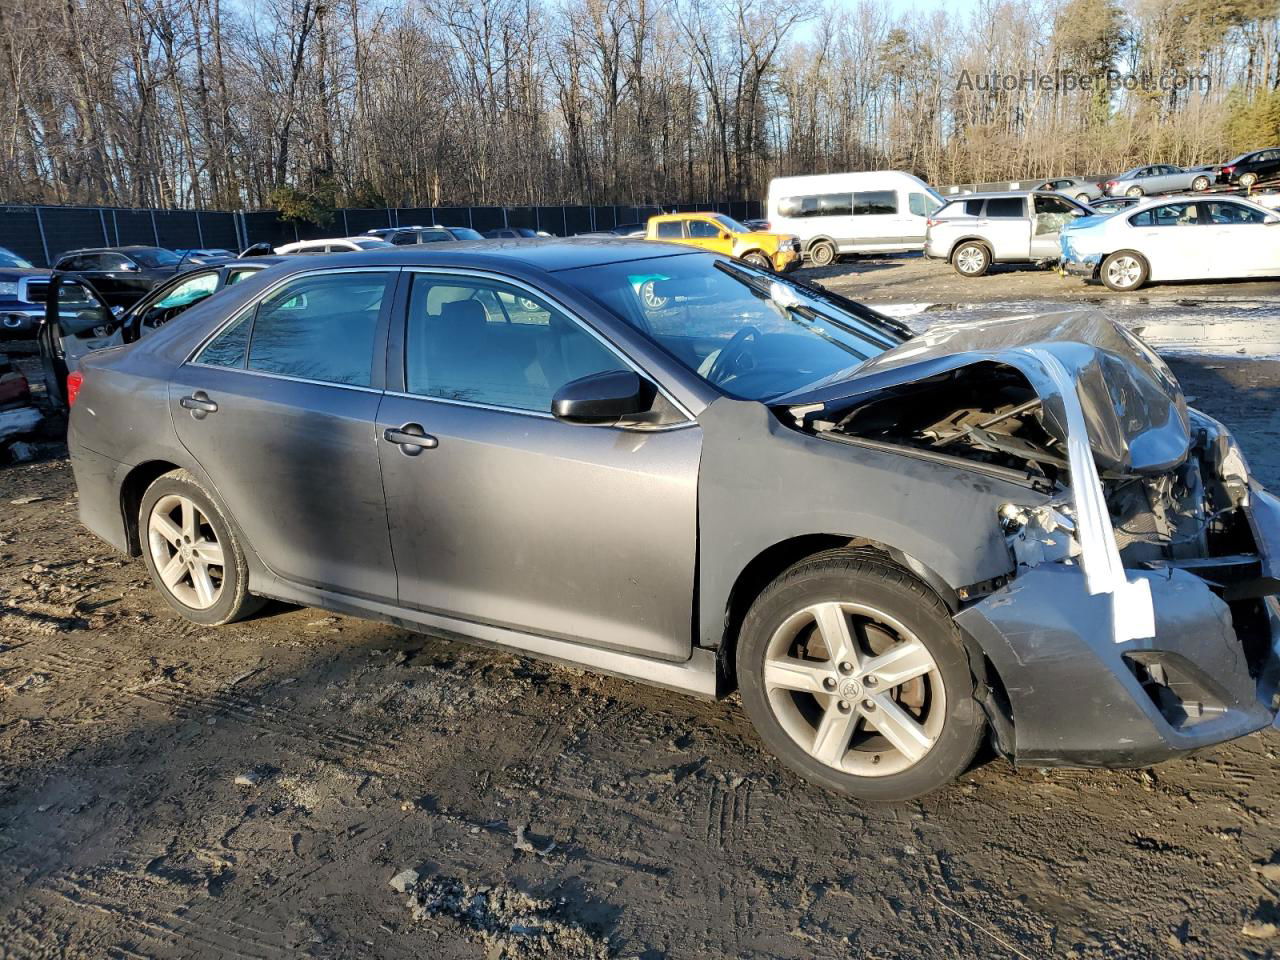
<point x="395" y="384"/>
<point x="377" y="371"/>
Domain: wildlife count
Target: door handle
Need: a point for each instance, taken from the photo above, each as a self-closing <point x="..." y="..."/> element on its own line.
<point x="410" y="438"/>
<point x="199" y="404"/>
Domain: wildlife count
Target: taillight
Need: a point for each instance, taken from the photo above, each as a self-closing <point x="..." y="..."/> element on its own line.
<point x="931" y="222"/>
<point x="75" y="380"/>
<point x="1110" y="183"/>
<point x="1229" y="170"/>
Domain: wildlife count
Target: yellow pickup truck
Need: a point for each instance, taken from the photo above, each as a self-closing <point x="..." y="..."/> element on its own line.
<point x="721" y="234"/>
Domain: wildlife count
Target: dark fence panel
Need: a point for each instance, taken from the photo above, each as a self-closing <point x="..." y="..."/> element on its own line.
<point x="20" y="232"/>
<point x="360" y="221"/>
<point x="454" y="217"/>
<point x="219" y="230"/>
<point x="266" y="227"/>
<point x="66" y="228"/>
<point x="522" y="217"/>
<point x="487" y="218"/>
<point x="178" y="229"/>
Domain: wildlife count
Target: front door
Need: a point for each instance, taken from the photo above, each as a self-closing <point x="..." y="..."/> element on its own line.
<point x="1244" y="244"/>
<point x="278" y="409"/>
<point x="709" y="235"/>
<point x="1048" y="215"/>
<point x="506" y="516"/>
<point x="1175" y="241"/>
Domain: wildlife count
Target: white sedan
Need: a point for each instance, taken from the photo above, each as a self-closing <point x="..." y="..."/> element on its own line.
<point x="334" y="245"/>
<point x="1174" y="238"/>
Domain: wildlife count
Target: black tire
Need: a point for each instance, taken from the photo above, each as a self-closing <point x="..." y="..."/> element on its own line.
<point x="1111" y="270"/>
<point x="234" y="602"/>
<point x="854" y="577"/>
<point x="1200" y="183"/>
<point x="971" y="258"/>
<point x="822" y="253"/>
<point x="1134" y="192"/>
<point x="52" y="364"/>
<point x="1083" y="198"/>
<point x="757" y="259"/>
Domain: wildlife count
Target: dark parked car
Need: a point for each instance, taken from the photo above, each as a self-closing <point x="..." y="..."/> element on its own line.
<point x="1250" y="168"/>
<point x="510" y="233"/>
<point x="408" y="236"/>
<point x="203" y="256"/>
<point x="22" y="292"/>
<point x="74" y="324"/>
<point x="630" y="230"/>
<point x="890" y="545"/>
<point x="122" y="275"/>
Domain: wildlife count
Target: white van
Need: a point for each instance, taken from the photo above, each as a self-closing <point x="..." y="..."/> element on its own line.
<point x="875" y="211"/>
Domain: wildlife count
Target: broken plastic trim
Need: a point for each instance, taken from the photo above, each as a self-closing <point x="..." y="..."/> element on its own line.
<point x="1133" y="612"/>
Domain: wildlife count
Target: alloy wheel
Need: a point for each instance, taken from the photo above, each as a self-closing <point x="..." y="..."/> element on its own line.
<point x="854" y="688"/>
<point x="971" y="259"/>
<point x="186" y="552"/>
<point x="1124" y="271"/>
<point x="1200" y="183"/>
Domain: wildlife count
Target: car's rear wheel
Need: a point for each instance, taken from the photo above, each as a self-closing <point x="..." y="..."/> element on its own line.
<point x="1200" y="183"/>
<point x="1133" y="192"/>
<point x="971" y="259"/>
<point x="757" y="259"/>
<point x="192" y="553"/>
<point x="855" y="676"/>
<point x="1124" y="271"/>
<point x="822" y="253"/>
<point x="1082" y="197"/>
<point x="1247" y="180"/>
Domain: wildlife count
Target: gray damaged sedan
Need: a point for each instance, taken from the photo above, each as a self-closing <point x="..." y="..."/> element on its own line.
<point x="670" y="467"/>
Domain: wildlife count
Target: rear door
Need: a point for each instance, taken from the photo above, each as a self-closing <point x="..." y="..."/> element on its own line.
<point x="1244" y="244"/>
<point x="278" y="408"/>
<point x="508" y="516"/>
<point x="1006" y="223"/>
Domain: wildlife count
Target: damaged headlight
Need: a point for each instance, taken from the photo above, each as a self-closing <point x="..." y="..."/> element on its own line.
<point x="1043" y="534"/>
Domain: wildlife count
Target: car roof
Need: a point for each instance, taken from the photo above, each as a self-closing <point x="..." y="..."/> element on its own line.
<point x="121" y="249"/>
<point x="1001" y="193"/>
<point x="687" y="215"/>
<point x="541" y="254"/>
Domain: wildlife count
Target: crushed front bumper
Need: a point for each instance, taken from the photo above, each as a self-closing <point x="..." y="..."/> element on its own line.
<point x="1077" y="697"/>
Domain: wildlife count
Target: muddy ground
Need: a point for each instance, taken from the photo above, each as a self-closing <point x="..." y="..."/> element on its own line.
<point x="251" y="792"/>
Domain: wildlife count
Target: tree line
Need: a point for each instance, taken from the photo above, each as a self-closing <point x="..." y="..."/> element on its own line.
<point x="307" y="104"/>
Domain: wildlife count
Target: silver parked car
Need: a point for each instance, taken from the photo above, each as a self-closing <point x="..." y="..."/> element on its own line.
<point x="1157" y="178"/>
<point x="1021" y="226"/>
<point x="1077" y="188"/>
<point x="890" y="545"/>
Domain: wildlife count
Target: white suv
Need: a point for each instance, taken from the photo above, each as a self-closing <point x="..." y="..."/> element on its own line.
<point x="979" y="229"/>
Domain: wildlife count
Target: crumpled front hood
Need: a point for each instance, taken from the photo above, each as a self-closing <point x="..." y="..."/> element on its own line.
<point x="1134" y="409"/>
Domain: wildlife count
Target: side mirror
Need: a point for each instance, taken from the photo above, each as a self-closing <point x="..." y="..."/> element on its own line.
<point x="603" y="398"/>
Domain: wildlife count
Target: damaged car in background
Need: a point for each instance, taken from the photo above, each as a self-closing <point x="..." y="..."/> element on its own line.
<point x="894" y="546"/>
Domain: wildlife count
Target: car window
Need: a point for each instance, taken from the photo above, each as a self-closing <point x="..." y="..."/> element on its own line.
<point x="702" y="230"/>
<point x="227" y="349"/>
<point x="435" y="236"/>
<point x="671" y="229"/>
<point x="1006" y="207"/>
<point x="157" y="257"/>
<point x="1054" y="205"/>
<point x="973" y="207"/>
<point x="485" y="342"/>
<point x="404" y="238"/>
<point x="235" y="276"/>
<point x="1168" y="215"/>
<point x="466" y="233"/>
<point x="113" y="261"/>
<point x="188" y="292"/>
<point x="10" y="259"/>
<point x="871" y="202"/>
<point x="320" y="328"/>
<point x="1225" y="212"/>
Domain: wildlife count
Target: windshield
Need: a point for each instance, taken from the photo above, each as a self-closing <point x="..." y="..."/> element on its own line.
<point x="155" y="257"/>
<point x="730" y="224"/>
<point x="10" y="259"/>
<point x="748" y="333"/>
<point x="465" y="233"/>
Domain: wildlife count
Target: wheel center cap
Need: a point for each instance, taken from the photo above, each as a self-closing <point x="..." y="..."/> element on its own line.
<point x="850" y="689"/>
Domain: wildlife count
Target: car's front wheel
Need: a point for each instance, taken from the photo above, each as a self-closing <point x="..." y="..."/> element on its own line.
<point x="192" y="553"/>
<point x="971" y="259"/>
<point x="757" y="259"/>
<point x="1124" y="271"/>
<point x="855" y="676"/>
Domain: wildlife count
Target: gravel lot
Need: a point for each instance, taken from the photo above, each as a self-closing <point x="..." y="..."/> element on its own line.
<point x="251" y="791"/>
